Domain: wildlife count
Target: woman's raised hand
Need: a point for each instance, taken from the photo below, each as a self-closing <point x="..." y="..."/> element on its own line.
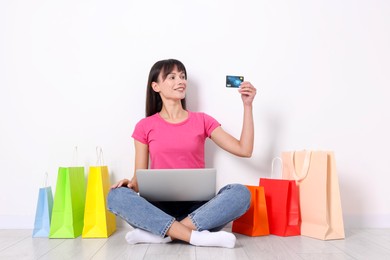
<point x="248" y="92"/>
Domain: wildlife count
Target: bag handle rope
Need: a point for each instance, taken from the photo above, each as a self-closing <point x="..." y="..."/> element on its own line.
<point x="45" y="180"/>
<point x="99" y="156"/>
<point x="75" y="156"/>
<point x="305" y="167"/>
<point x="272" y="165"/>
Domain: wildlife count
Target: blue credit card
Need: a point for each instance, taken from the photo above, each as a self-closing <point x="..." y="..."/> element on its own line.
<point x="234" y="81"/>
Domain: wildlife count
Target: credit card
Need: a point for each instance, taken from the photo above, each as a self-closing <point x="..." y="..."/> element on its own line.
<point x="234" y="81"/>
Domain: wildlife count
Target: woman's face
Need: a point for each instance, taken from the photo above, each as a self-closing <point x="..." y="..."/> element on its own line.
<point x="173" y="87"/>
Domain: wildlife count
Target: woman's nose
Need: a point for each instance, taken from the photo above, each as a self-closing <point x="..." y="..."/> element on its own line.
<point x="182" y="81"/>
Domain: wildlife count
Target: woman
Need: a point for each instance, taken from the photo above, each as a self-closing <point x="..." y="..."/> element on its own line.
<point x="156" y="137"/>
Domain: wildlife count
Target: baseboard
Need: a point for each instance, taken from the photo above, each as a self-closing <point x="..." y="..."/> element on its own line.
<point x="16" y="222"/>
<point x="367" y="221"/>
<point x="350" y="221"/>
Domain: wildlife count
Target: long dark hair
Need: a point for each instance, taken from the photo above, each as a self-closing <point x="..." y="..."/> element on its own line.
<point x="153" y="99"/>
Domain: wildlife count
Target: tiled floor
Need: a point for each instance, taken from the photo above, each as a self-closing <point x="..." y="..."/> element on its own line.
<point x="359" y="244"/>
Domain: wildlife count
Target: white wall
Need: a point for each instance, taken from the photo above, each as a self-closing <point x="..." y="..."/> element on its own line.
<point x="74" y="73"/>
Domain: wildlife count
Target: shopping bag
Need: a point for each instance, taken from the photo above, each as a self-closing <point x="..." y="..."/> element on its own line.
<point x="98" y="221"/>
<point x="255" y="221"/>
<point x="43" y="212"/>
<point x="69" y="201"/>
<point x="282" y="200"/>
<point x="319" y="195"/>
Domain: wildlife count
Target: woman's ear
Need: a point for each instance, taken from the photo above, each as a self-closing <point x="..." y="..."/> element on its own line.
<point x="155" y="87"/>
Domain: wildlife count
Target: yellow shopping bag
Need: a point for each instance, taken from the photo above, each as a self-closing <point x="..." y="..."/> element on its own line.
<point x="98" y="221"/>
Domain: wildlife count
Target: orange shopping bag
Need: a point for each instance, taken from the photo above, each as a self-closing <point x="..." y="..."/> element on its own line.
<point x="319" y="195"/>
<point x="255" y="221"/>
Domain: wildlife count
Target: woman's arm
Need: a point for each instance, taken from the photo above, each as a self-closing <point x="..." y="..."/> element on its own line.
<point x="141" y="162"/>
<point x="244" y="146"/>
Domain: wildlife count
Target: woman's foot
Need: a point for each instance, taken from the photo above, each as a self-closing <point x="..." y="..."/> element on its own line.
<point x="138" y="236"/>
<point x="217" y="239"/>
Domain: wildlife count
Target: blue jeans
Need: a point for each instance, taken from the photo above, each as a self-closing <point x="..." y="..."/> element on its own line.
<point x="230" y="203"/>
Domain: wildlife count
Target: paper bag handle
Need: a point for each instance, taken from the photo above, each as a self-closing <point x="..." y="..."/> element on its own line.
<point x="75" y="156"/>
<point x="45" y="180"/>
<point x="272" y="165"/>
<point x="99" y="156"/>
<point x="305" y="167"/>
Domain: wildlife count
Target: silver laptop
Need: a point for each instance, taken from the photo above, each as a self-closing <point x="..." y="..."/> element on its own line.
<point x="177" y="184"/>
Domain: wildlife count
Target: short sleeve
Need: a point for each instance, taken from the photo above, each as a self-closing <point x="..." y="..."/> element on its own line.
<point x="139" y="132"/>
<point x="210" y="124"/>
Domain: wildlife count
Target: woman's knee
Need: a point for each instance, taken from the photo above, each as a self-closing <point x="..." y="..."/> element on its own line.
<point x="243" y="197"/>
<point x="117" y="196"/>
<point x="112" y="198"/>
<point x="239" y="196"/>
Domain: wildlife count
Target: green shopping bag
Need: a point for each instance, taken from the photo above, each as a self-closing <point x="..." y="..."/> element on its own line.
<point x="69" y="200"/>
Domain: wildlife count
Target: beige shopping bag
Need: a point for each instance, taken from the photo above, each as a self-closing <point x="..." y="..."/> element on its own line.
<point x="320" y="203"/>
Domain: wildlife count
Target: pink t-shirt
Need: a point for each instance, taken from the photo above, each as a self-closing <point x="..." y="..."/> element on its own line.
<point x="175" y="146"/>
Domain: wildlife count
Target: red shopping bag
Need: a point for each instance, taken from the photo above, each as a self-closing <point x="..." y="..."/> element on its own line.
<point x="282" y="199"/>
<point x="255" y="221"/>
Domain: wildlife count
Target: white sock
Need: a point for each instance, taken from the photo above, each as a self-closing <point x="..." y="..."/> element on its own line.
<point x="137" y="236"/>
<point x="218" y="239"/>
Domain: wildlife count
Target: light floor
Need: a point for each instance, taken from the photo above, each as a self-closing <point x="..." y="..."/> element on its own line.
<point x="359" y="244"/>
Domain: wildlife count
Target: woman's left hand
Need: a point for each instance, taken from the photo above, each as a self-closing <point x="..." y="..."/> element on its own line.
<point x="248" y="92"/>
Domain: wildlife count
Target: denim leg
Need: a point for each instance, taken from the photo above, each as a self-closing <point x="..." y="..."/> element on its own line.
<point x="138" y="212"/>
<point x="231" y="202"/>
